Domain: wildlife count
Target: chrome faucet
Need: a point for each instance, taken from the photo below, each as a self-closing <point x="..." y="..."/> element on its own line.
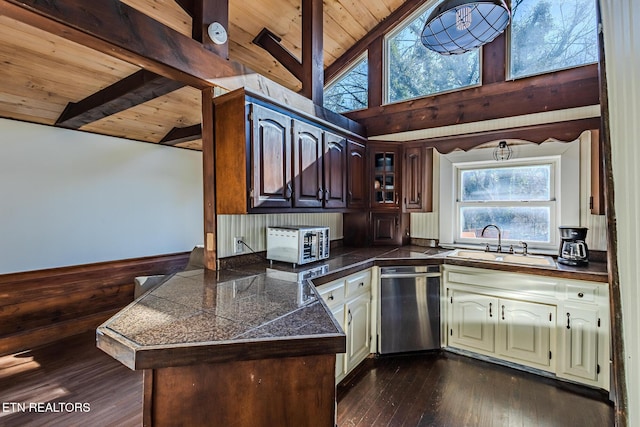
<point x="499" y="249"/>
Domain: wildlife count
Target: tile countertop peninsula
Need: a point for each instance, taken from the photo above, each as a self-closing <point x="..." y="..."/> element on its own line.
<point x="260" y="311"/>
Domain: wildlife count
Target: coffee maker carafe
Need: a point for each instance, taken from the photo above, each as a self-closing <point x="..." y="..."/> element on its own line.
<point x="573" y="248"/>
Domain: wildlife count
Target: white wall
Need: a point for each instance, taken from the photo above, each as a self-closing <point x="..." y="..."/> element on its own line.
<point x="622" y="51"/>
<point x="70" y="198"/>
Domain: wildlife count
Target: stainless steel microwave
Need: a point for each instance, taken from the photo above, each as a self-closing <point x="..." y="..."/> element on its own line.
<point x="297" y="244"/>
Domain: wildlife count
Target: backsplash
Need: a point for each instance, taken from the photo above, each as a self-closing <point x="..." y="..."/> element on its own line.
<point x="253" y="228"/>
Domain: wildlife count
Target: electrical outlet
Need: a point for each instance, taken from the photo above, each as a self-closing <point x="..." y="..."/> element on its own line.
<point x="238" y="246"/>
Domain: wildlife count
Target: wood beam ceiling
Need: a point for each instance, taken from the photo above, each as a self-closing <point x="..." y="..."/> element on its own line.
<point x="136" y="89"/>
<point x="116" y="29"/>
<point x="309" y="70"/>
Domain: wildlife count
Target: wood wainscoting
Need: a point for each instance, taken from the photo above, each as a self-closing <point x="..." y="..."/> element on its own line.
<point x="38" y="307"/>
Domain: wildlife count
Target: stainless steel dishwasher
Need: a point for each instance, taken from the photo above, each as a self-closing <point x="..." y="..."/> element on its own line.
<point x="409" y="309"/>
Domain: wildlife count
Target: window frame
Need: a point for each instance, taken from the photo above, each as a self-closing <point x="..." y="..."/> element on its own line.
<point x="509" y="60"/>
<point x="567" y="188"/>
<point x="552" y="161"/>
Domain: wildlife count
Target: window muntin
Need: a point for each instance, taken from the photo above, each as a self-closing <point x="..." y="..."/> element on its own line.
<point x="519" y="199"/>
<point x="350" y="90"/>
<point x="549" y="35"/>
<point x="414" y="71"/>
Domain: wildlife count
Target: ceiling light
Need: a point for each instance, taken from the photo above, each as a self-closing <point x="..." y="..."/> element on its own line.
<point x="458" y="26"/>
<point x="502" y="151"/>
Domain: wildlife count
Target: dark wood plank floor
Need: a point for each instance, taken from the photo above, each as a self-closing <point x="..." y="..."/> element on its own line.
<point x="444" y="389"/>
<point x="427" y="390"/>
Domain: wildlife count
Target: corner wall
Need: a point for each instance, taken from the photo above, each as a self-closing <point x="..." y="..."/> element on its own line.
<point x="71" y="198"/>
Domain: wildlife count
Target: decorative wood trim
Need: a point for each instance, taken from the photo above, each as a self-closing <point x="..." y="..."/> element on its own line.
<point x="577" y="87"/>
<point x="41" y="306"/>
<point x="136" y="89"/>
<point x="562" y="131"/>
<point x="184" y="134"/>
<point x="118" y="30"/>
<point x="271" y="43"/>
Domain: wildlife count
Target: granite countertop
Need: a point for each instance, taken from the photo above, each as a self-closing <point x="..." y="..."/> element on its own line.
<point x="202" y="316"/>
<point x="261" y="310"/>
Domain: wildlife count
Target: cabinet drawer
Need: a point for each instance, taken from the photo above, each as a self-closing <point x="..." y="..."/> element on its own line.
<point x="332" y="293"/>
<point x="582" y="292"/>
<point x="358" y="283"/>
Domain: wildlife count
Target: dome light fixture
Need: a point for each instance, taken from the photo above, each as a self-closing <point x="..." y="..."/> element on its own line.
<point x="502" y="151"/>
<point x="458" y="26"/>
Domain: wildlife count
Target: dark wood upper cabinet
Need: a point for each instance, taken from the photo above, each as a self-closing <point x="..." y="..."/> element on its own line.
<point x="418" y="179"/>
<point x="307" y="165"/>
<point x="357" y="173"/>
<point x="272" y="159"/>
<point x="335" y="171"/>
<point x="271" y="185"/>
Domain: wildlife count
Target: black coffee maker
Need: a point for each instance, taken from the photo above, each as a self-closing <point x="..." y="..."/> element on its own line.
<point x="573" y="249"/>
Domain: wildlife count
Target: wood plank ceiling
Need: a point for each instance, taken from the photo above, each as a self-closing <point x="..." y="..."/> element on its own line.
<point x="42" y="74"/>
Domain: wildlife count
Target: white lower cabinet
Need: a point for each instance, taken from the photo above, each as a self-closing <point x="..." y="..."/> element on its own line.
<point x="552" y="324"/>
<point x="349" y="300"/>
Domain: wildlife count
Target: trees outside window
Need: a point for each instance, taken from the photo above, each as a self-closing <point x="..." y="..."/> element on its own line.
<point x="350" y="91"/>
<point x="552" y="35"/>
<point x="518" y="199"/>
<point x="414" y="71"/>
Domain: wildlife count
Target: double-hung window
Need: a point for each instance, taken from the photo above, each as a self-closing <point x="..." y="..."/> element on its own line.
<point x="519" y="198"/>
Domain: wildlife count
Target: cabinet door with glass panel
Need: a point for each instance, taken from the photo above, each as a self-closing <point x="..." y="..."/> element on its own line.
<point x="385" y="176"/>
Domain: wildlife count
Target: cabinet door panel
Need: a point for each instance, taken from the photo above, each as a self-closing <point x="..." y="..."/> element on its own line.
<point x="473" y="320"/>
<point x="414" y="179"/>
<point x="358" y="329"/>
<point x="335" y="171"/>
<point x="580" y="341"/>
<point x="524" y="331"/>
<point x="356" y="170"/>
<point x="271" y="147"/>
<point x="307" y="165"/>
<point x="386" y="228"/>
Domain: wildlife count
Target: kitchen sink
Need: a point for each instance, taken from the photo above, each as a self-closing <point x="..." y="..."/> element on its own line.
<point x="502" y="257"/>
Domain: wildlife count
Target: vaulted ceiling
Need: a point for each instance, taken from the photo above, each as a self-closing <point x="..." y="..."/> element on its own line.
<point x="43" y="74"/>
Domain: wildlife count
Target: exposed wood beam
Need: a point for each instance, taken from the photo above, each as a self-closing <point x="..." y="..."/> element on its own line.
<point x="271" y="43"/>
<point x="183" y="134"/>
<point x="205" y="13"/>
<point x="209" y="181"/>
<point x="116" y="29"/>
<point x="312" y="51"/>
<point x="562" y="131"/>
<point x="577" y="87"/>
<point x="136" y="89"/>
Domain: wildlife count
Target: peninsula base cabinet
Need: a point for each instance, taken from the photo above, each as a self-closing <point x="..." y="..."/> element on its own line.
<point x="555" y="325"/>
<point x="349" y="300"/>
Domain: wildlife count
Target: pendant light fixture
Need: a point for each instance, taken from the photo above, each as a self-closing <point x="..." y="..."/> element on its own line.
<point x="458" y="26"/>
<point x="502" y="152"/>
